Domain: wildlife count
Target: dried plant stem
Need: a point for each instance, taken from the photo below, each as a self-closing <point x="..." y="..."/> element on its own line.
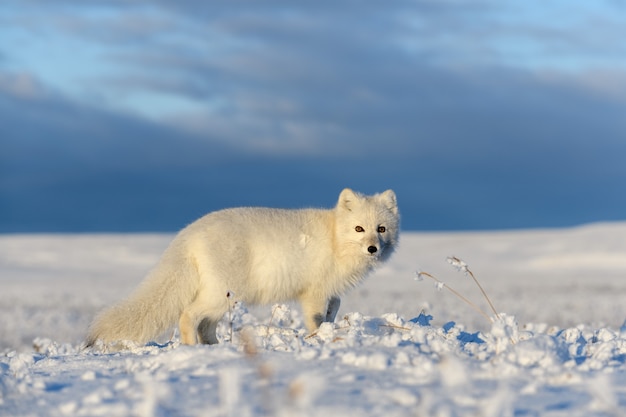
<point x="316" y="332"/>
<point x="456" y="293"/>
<point x="393" y="326"/>
<point x="462" y="266"/>
<point x="267" y="332"/>
<point x="229" y="295"/>
<point x="495" y="312"/>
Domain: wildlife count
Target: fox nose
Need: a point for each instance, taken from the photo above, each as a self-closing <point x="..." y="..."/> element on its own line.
<point x="372" y="249"/>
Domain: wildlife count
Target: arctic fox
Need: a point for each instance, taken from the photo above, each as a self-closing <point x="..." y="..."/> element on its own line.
<point x="259" y="256"/>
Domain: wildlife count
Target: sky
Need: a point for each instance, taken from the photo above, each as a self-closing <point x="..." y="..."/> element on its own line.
<point x="120" y="116"/>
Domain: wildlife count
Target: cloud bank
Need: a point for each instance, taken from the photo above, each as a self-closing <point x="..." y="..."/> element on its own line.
<point x="143" y="116"/>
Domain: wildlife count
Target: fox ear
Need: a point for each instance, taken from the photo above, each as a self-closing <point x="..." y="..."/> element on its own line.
<point x="388" y="198"/>
<point x="347" y="199"/>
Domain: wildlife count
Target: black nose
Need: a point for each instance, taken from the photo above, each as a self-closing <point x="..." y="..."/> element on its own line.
<point x="372" y="249"/>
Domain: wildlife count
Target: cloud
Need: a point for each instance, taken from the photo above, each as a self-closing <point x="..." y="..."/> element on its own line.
<point x="485" y="163"/>
<point x="165" y="110"/>
<point x="21" y="85"/>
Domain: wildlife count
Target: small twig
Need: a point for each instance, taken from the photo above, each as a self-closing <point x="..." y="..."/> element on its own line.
<point x="315" y="332"/>
<point x="229" y="295"/>
<point x="495" y="312"/>
<point x="456" y="293"/>
<point x="267" y="332"/>
<point x="462" y="266"/>
<point x="393" y="326"/>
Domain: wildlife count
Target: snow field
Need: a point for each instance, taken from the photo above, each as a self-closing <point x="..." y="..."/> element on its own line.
<point x="398" y="347"/>
<point x="359" y="365"/>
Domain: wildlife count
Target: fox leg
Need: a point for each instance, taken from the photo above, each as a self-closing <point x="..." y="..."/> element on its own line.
<point x="333" y="308"/>
<point x="200" y="319"/>
<point x="187" y="326"/>
<point x="318" y="309"/>
<point x="206" y="331"/>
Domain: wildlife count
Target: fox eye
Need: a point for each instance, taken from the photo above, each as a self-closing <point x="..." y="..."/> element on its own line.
<point x="359" y="229"/>
<point x="381" y="229"/>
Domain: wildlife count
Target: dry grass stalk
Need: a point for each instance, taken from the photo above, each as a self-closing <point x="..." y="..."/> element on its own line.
<point x="229" y="296"/>
<point x="441" y="284"/>
<point x="462" y="266"/>
<point x="393" y="326"/>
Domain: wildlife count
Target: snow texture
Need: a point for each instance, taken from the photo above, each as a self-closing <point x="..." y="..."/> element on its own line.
<point x="398" y="347"/>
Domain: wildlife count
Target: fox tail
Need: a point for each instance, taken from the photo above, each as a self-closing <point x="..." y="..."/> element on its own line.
<point x="153" y="308"/>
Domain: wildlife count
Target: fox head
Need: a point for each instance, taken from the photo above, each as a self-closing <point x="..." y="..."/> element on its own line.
<point x="367" y="225"/>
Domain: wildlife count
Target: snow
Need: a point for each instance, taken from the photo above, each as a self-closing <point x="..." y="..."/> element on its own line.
<point x="398" y="347"/>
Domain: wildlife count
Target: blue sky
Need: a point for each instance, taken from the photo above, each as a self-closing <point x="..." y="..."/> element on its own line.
<point x="142" y="116"/>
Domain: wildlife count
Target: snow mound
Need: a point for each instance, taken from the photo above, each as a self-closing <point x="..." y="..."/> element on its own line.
<point x="359" y="365"/>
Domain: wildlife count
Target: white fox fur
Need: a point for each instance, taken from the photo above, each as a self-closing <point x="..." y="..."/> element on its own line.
<point x="259" y="256"/>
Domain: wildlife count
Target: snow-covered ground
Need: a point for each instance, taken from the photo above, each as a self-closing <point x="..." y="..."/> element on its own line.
<point x="399" y="346"/>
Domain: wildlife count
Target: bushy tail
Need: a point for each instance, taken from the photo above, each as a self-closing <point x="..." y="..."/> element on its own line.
<point x="153" y="308"/>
